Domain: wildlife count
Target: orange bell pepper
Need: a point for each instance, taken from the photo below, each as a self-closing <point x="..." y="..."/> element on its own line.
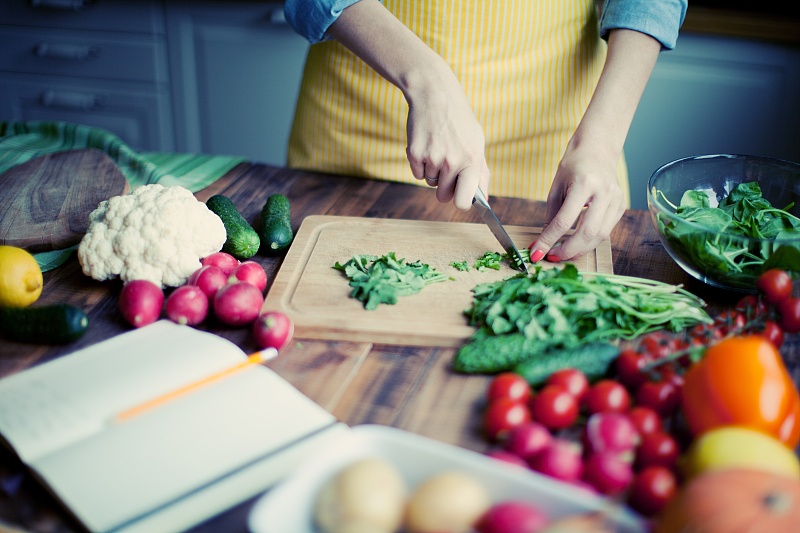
<point x="743" y="381"/>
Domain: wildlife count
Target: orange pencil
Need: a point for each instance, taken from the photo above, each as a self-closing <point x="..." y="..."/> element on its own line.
<point x="254" y="359"/>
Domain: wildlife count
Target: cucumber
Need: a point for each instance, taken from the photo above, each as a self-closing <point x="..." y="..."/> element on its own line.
<point x="275" y="229"/>
<point x="243" y="241"/>
<point x="51" y="324"/>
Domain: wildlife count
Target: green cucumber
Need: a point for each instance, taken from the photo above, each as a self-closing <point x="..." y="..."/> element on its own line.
<point x="275" y="229"/>
<point x="593" y="359"/>
<point x="243" y="241"/>
<point x="51" y="324"/>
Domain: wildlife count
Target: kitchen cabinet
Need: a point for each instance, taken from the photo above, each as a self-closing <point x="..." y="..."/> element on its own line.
<point x="236" y="72"/>
<point x="101" y="64"/>
<point x="715" y="94"/>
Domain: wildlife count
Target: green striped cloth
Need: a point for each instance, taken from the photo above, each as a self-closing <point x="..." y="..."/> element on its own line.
<point x="21" y="141"/>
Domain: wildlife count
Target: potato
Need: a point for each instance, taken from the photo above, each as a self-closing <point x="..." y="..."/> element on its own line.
<point x="450" y="501"/>
<point x="367" y="496"/>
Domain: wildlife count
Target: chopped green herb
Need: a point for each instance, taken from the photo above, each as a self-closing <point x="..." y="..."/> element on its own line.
<point x="381" y="280"/>
<point x="488" y="260"/>
<point x="460" y="265"/>
<point x="562" y="309"/>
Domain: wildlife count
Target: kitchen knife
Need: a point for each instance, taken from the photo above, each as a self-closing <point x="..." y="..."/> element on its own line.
<point x="488" y="216"/>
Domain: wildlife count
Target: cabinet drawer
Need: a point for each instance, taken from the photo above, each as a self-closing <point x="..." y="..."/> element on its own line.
<point x="120" y="15"/>
<point x="83" y="54"/>
<point x="140" y="116"/>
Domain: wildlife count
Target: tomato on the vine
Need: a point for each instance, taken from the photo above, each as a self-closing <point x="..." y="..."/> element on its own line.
<point x="751" y="306"/>
<point x="662" y="396"/>
<point x="773" y="333"/>
<point x="508" y="385"/>
<point x="607" y="395"/>
<point x="789" y="310"/>
<point x="554" y="407"/>
<point x="645" y="419"/>
<point x="571" y="379"/>
<point x="775" y="285"/>
<point x="502" y="415"/>
<point x="730" y="322"/>
<point x="629" y="366"/>
<point x="651" y="489"/>
<point x="657" y="344"/>
<point x="657" y="448"/>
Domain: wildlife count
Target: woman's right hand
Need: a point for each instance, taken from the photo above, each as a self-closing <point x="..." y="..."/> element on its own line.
<point x="445" y="140"/>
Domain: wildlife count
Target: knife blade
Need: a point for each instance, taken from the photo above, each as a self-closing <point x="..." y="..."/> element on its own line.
<point x="491" y="220"/>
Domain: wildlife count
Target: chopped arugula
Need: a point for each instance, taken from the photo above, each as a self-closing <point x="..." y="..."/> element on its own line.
<point x="380" y="280"/>
<point x="562" y="309"/>
<point x="721" y="248"/>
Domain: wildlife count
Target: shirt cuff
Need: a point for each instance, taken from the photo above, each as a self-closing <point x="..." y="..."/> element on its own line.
<point x="312" y="18"/>
<point x="660" y="19"/>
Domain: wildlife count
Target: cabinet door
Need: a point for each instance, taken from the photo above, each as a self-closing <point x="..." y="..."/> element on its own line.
<point x="135" y="115"/>
<point x="236" y="69"/>
<point x="715" y="95"/>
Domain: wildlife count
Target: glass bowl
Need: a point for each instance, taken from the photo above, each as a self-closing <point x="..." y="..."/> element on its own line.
<point x="728" y="242"/>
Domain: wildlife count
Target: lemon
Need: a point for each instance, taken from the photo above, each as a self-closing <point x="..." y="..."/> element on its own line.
<point x="20" y="277"/>
<point x="739" y="447"/>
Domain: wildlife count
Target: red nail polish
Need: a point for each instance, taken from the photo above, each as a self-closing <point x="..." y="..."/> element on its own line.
<point x="553" y="258"/>
<point x="536" y="256"/>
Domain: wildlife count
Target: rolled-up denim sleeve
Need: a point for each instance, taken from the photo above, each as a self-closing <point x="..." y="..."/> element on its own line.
<point x="660" y="19"/>
<point x="312" y="18"/>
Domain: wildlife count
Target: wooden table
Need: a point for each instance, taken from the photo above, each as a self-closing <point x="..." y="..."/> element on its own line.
<point x="406" y="387"/>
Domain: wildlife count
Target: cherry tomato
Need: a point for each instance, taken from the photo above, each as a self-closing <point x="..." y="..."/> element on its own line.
<point x="651" y="489"/>
<point x="657" y="448"/>
<point x="789" y="309"/>
<point x="607" y="395"/>
<point x="661" y="396"/>
<point x="571" y="379"/>
<point x="730" y="322"/>
<point x="644" y="419"/>
<point x="502" y="415"/>
<point x="775" y="285"/>
<point x="657" y="345"/>
<point x="751" y="306"/>
<point x="773" y="333"/>
<point x="508" y="385"/>
<point x="554" y="407"/>
<point x="706" y="333"/>
<point x="628" y="365"/>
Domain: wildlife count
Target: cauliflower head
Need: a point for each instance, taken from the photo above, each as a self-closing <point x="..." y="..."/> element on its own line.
<point x="154" y="232"/>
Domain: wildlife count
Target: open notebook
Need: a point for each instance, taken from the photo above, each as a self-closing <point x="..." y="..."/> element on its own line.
<point x="172" y="466"/>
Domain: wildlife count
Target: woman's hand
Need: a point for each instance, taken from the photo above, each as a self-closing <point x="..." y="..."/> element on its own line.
<point x="445" y="141"/>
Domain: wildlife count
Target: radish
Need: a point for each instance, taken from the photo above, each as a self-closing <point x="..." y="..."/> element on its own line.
<point x="561" y="459"/>
<point x="209" y="279"/>
<point x="528" y="439"/>
<point x="238" y="304"/>
<point x="512" y="517"/>
<point x="610" y="432"/>
<point x="608" y="472"/>
<point x="223" y="260"/>
<point x="273" y="329"/>
<point x="187" y="305"/>
<point x="252" y="273"/>
<point x="140" y="302"/>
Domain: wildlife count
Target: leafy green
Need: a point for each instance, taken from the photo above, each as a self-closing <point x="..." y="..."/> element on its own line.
<point x="721" y="248"/>
<point x="460" y="265"/>
<point x="381" y="280"/>
<point x="488" y="260"/>
<point x="561" y="308"/>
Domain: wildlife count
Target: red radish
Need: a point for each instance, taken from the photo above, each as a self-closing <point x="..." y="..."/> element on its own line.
<point x="528" y="439"/>
<point x="273" y="329"/>
<point x="224" y="261"/>
<point x="608" y="472"/>
<point x="238" y="304"/>
<point x="140" y="302"/>
<point x="187" y="305"/>
<point x="512" y="517"/>
<point x="209" y="279"/>
<point x="610" y="432"/>
<point x="561" y="460"/>
<point x="507" y="457"/>
<point x="252" y="273"/>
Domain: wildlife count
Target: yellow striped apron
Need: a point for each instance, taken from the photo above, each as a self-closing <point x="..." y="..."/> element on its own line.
<point x="528" y="67"/>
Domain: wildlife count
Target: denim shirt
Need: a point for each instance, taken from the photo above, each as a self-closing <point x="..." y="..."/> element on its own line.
<point x="661" y="19"/>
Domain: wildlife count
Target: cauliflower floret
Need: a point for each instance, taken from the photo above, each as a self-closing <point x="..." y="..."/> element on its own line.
<point x="155" y="233"/>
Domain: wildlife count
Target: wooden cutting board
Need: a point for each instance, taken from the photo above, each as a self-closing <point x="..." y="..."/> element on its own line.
<point x="316" y="296"/>
<point x="45" y="202"/>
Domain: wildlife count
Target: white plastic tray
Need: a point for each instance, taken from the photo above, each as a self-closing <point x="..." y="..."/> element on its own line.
<point x="288" y="507"/>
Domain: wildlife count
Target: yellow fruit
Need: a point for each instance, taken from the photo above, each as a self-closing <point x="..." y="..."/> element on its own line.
<point x="20" y="277"/>
<point x="739" y="447"/>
